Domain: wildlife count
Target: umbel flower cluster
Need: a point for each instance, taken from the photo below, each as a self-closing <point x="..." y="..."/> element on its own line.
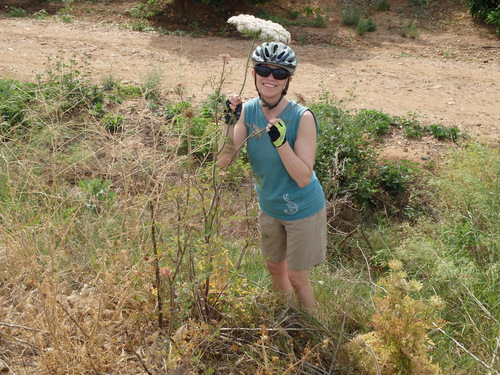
<point x="258" y="28"/>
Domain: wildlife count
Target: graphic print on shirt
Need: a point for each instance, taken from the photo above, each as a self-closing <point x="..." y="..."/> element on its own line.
<point x="292" y="207"/>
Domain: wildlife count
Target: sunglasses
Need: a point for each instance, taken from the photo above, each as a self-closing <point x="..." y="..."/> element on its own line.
<point x="278" y="74"/>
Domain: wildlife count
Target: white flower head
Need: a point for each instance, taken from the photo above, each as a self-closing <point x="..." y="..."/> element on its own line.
<point x="266" y="31"/>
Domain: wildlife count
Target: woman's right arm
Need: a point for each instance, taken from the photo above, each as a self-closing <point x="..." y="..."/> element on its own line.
<point x="233" y="136"/>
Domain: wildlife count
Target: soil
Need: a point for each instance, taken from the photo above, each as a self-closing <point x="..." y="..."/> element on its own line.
<point x="447" y="74"/>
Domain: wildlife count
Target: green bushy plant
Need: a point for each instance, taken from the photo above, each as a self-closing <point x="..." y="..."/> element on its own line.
<point x="382" y="5"/>
<point x="351" y="15"/>
<point x="410" y="125"/>
<point x="113" y="122"/>
<point x="488" y="10"/>
<point x="66" y="86"/>
<point x="375" y="122"/>
<point x="15" y="97"/>
<point x="196" y="130"/>
<point x="41" y="14"/>
<point x="344" y="155"/>
<point x="441" y="132"/>
<point x="366" y="26"/>
<point x="394" y="177"/>
<point x="17" y="12"/>
<point x="98" y="193"/>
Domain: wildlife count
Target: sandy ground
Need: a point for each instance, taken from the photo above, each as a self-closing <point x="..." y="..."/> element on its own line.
<point x="448" y="75"/>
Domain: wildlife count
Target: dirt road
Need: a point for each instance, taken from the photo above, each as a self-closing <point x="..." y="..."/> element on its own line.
<point x="447" y="77"/>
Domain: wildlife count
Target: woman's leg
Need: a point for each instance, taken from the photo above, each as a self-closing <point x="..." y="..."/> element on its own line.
<point x="285" y="280"/>
<point x="279" y="277"/>
<point x="299" y="281"/>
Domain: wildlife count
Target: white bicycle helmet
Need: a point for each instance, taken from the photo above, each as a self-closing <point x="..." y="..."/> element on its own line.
<point x="275" y="53"/>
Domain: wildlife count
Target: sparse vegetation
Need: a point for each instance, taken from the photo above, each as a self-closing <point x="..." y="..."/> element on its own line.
<point x="125" y="248"/>
<point x="351" y="15"/>
<point x="382" y="5"/>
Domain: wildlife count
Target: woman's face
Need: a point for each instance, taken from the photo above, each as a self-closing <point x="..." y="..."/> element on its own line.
<point x="270" y="86"/>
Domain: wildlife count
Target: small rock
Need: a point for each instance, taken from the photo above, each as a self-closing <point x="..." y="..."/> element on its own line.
<point x="425" y="157"/>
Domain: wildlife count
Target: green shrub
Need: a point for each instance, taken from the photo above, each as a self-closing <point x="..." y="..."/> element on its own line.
<point x="382" y="5"/>
<point x="151" y="83"/>
<point x="17" y="12"/>
<point x="394" y="177"/>
<point x="344" y="155"/>
<point x="66" y="86"/>
<point x="196" y="132"/>
<point x="488" y="10"/>
<point x="441" y="132"/>
<point x="366" y="26"/>
<point x="67" y="18"/>
<point x="113" y="122"/>
<point x="409" y="30"/>
<point x="351" y="15"/>
<point x="375" y="122"/>
<point x="98" y="193"/>
<point x="320" y="21"/>
<point x="14" y="100"/>
<point x="41" y="14"/>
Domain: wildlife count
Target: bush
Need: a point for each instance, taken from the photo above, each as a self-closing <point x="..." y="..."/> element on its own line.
<point x="375" y="122"/>
<point x="442" y="133"/>
<point x="395" y="177"/>
<point x="400" y="342"/>
<point x="366" y="26"/>
<point x="382" y="5"/>
<point x="66" y="87"/>
<point x="17" y="12"/>
<point x="344" y="155"/>
<point x="488" y="10"/>
<point x="195" y="131"/>
<point x="13" y="104"/>
<point x="351" y="15"/>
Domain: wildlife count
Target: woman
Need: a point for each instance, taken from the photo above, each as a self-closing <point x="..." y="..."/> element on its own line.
<point x="292" y="221"/>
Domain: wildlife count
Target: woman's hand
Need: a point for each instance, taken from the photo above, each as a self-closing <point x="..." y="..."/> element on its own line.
<point x="276" y="129"/>
<point x="232" y="112"/>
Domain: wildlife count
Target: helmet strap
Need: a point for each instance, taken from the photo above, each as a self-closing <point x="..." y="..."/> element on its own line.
<point x="271" y="106"/>
<point x="265" y="103"/>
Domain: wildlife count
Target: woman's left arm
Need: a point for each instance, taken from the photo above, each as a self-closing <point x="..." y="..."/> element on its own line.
<point x="299" y="161"/>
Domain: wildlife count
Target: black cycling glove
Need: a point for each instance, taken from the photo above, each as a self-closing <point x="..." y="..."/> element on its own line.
<point x="232" y="117"/>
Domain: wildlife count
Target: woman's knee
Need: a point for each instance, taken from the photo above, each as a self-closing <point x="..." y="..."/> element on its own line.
<point x="298" y="278"/>
<point x="277" y="268"/>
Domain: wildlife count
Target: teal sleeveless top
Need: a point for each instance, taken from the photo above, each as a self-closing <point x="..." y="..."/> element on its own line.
<point x="278" y="194"/>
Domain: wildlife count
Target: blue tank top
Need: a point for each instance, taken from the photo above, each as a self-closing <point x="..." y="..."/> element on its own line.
<point x="279" y="195"/>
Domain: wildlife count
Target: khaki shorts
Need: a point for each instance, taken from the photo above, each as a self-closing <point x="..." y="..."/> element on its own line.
<point x="301" y="242"/>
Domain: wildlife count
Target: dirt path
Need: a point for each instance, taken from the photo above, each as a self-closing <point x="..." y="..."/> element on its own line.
<point x="448" y="77"/>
